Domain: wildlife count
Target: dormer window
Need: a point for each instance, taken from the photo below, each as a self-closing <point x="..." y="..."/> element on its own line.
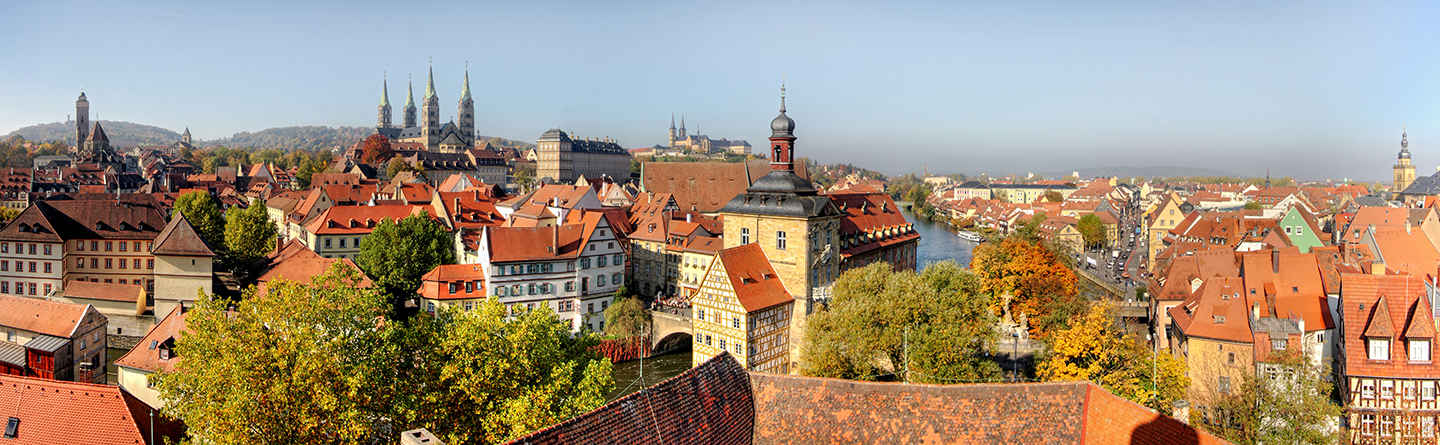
<point x="1379" y="348"/>
<point x="1419" y="349"/>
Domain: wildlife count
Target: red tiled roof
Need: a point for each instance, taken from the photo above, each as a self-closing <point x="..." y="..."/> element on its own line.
<point x="1370" y="306"/>
<point x="754" y="281"/>
<point x="534" y="243"/>
<point x="147" y="358"/>
<point x="179" y="238"/>
<point x="43" y="316"/>
<point x="435" y="284"/>
<point x="1292" y="283"/>
<point x="1218" y="310"/>
<point x="130" y="293"/>
<point x="59" y="412"/>
<point x="298" y="263"/>
<point x="705" y="186"/>
<point x="341" y="220"/>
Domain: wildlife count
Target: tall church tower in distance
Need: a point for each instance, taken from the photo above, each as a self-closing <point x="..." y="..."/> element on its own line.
<point x="82" y="120"/>
<point x="1404" y="172"/>
<point x="185" y="137"/>
<point x="672" y="130"/>
<point x="467" y="113"/>
<point x="796" y="227"/>
<point x="430" y="122"/>
<point x="384" y="120"/>
<point x="410" y="105"/>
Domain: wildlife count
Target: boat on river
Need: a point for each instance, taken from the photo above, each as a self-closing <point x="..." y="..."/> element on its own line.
<point x="970" y="236"/>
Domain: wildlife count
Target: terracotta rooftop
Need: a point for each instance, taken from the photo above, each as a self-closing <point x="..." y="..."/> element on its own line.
<point x="435" y="284"/>
<point x="104" y="291"/>
<point x="753" y="279"/>
<point x="42" y="316"/>
<point x="1385" y="306"/>
<point x="57" y="412"/>
<point x="718" y="402"/>
<point x="146" y="355"/>
<point x="298" y="263"/>
<point x="706" y="186"/>
<point x="533" y="243"/>
<point x="180" y="238"/>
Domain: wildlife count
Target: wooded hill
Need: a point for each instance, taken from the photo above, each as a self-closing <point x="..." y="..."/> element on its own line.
<point x="308" y="138"/>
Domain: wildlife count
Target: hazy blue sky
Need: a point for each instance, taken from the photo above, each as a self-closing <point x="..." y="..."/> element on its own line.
<point x="1308" y="89"/>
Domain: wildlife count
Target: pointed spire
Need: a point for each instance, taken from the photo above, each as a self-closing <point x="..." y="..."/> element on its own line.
<point x="187" y="130"/>
<point x="682" y="122"/>
<point x="465" y="93"/>
<point x="430" y="86"/>
<point x="384" y="91"/>
<point x="410" y="95"/>
<point x="1404" y="138"/>
<point x="672" y="121"/>
<point x="782" y="94"/>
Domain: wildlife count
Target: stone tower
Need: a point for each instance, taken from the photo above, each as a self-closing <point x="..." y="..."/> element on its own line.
<point x="384" y="108"/>
<point x="467" y="113"/>
<point x="798" y="228"/>
<point x="185" y="137"/>
<point x="1404" y="172"/>
<point x="672" y="130"/>
<point x="82" y="120"/>
<point x="410" y="105"/>
<point x="430" y="110"/>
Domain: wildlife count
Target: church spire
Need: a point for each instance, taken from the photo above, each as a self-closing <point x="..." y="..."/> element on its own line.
<point x="672" y="121"/>
<point x="384" y="92"/>
<point x="430" y="86"/>
<point x="465" y="93"/>
<point x="410" y="95"/>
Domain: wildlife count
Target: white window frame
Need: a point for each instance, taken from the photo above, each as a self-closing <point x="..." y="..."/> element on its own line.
<point x="1419" y="350"/>
<point x="1378" y="348"/>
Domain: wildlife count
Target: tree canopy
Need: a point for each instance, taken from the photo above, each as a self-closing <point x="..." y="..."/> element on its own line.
<point x="1043" y="287"/>
<point x="204" y="214"/>
<point x="626" y="315"/>
<point x="398" y="253"/>
<point x="939" y="316"/>
<point x="1286" y="401"/>
<point x="1092" y="230"/>
<point x="1091" y="349"/>
<point x="249" y="235"/>
<point x="315" y="363"/>
<point x="377" y="149"/>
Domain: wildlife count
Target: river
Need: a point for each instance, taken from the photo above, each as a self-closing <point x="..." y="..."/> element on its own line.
<point x="937" y="243"/>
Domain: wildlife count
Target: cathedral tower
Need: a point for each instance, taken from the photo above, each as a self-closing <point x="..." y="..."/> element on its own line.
<point x="384" y="120"/>
<point x="1404" y="172"/>
<point x="672" y="130"/>
<point x="430" y="121"/>
<point x="185" y="137"/>
<point x="410" y="105"/>
<point x="82" y="120"/>
<point x="467" y="113"/>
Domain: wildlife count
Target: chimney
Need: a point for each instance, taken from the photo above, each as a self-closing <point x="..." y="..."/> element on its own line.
<point x="1255" y="310"/>
<point x="687" y="217"/>
<point x="457" y="205"/>
<point x="1407" y="226"/>
<point x="1275" y="260"/>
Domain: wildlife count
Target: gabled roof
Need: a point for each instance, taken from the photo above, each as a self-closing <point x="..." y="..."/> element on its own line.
<point x="180" y="239"/>
<point x="130" y="293"/>
<point x="1380" y="323"/>
<point x="42" y="316"/>
<point x="145" y="356"/>
<point x="298" y="263"/>
<point x="756" y="285"/>
<point x="508" y="244"/>
<point x="1421" y="322"/>
<point x="705" y="186"/>
<point x="59" y="412"/>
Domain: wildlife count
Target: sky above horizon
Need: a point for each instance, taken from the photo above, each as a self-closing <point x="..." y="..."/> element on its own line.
<point x="1311" y="90"/>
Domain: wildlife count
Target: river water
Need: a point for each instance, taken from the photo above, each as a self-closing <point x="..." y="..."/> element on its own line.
<point x="937" y="243"/>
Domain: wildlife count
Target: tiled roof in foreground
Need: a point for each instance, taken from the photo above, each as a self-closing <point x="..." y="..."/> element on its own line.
<point x="719" y="403"/>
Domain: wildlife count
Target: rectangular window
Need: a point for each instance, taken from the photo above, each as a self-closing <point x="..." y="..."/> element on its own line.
<point x="600" y="280"/>
<point x="1379" y="348"/>
<point x="94" y="245"/>
<point x="517" y="290"/>
<point x="735" y="322"/>
<point x="32" y="266"/>
<point x="137" y="246"/>
<point x="1427" y="426"/>
<point x="109" y="262"/>
<point x="1387" y="389"/>
<point x="744" y="235"/>
<point x="47" y="267"/>
<point x="1387" y="426"/>
<point x="780" y="240"/>
<point x="47" y="249"/>
<point x="1419" y="350"/>
<point x="515" y="270"/>
<point x="1224" y="385"/>
<point x="590" y="308"/>
<point x="32" y="248"/>
<point x="530" y="289"/>
<point x="616" y="277"/>
<point x="600" y="261"/>
<point x="149" y="246"/>
<point x="4" y="266"/>
<point x="137" y="263"/>
<point x="471" y="287"/>
<point x="47" y="292"/>
<point x="94" y="263"/>
<point x="123" y="262"/>
<point x="79" y="246"/>
<point x="584" y="263"/>
<point x="149" y="264"/>
<point x="569" y="286"/>
<point x="79" y="263"/>
<point x="32" y="288"/>
<point x="1427" y="390"/>
<point x="547" y="267"/>
<point x="619" y="259"/>
<point x="356" y="242"/>
<point x="109" y="246"/>
<point x="342" y="243"/>
<point x="327" y="243"/>
<point x="1367" y="424"/>
<point x="722" y="343"/>
<point x="123" y="245"/>
<point x="5" y="289"/>
<point x="453" y="288"/>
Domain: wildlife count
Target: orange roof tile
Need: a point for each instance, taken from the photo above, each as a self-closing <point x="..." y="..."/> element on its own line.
<point x="43" y="316"/>
<point x="754" y="281"/>
<point x="146" y="356"/>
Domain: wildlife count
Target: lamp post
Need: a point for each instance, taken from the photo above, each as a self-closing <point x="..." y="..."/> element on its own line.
<point x="1015" y="358"/>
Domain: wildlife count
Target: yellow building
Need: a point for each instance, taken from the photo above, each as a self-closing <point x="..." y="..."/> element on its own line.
<point x="1404" y="172"/>
<point x="1160" y="220"/>
<point x="797" y="228"/>
<point x="183" y="265"/>
<point x="742" y="307"/>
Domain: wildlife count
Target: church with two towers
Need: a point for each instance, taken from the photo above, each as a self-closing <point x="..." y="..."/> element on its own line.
<point x="450" y="137"/>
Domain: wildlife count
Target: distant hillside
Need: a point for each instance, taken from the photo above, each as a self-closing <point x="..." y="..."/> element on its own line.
<point x="1147" y="172"/>
<point x="121" y="134"/>
<point x="308" y="138"/>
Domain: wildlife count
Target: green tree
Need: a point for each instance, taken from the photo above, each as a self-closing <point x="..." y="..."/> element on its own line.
<point x="308" y="169"/>
<point x="1293" y="405"/>
<point x="396" y="166"/>
<point x="1092" y="349"/>
<point x="398" y="253"/>
<point x="1252" y="205"/>
<point x="940" y="316"/>
<point x="1054" y="196"/>
<point x="249" y="235"/>
<point x="312" y="363"/>
<point x="523" y="178"/>
<point x="626" y="316"/>
<point x="1092" y="230"/>
<point x="204" y="214"/>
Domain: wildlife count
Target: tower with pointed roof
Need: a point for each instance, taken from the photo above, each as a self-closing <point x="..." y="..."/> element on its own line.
<point x="1404" y="172"/>
<point x="467" y="113"/>
<point x="384" y="108"/>
<point x="82" y="120"/>
<point x="672" y="130"/>
<point x="185" y="137"/>
<point x="798" y="228"/>
<point x="410" y="105"/>
<point x="430" y="110"/>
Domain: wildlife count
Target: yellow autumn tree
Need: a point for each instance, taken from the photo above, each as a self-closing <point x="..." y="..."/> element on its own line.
<point x="1091" y="349"/>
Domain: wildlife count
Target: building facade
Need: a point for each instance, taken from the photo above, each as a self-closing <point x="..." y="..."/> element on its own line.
<point x="1389" y="374"/>
<point x="52" y="340"/>
<point x="742" y="307"/>
<point x="574" y="269"/>
<point x="563" y="159"/>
